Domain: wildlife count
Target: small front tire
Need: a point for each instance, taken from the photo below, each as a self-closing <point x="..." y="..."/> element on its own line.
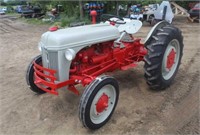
<point x="98" y="102"/>
<point x="30" y="75"/>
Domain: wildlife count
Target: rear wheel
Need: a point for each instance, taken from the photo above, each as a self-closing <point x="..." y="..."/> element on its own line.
<point x="30" y="75"/>
<point x="98" y="102"/>
<point x="164" y="56"/>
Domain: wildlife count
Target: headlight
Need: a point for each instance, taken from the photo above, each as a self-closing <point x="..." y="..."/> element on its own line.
<point x="70" y="54"/>
<point x="40" y="47"/>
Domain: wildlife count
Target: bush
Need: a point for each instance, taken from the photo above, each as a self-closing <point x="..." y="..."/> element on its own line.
<point x="10" y="9"/>
<point x="65" y="21"/>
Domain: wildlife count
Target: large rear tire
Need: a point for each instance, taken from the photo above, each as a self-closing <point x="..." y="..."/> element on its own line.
<point x="98" y="102"/>
<point x="165" y="50"/>
<point x="30" y="75"/>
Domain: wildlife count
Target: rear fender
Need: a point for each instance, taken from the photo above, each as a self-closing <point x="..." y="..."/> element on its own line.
<point x="154" y="29"/>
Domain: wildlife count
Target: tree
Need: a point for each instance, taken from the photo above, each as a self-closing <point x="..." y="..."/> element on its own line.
<point x="117" y="7"/>
<point x="81" y="9"/>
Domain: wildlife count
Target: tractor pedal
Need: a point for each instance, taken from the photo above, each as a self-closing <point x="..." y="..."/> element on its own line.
<point x="128" y="66"/>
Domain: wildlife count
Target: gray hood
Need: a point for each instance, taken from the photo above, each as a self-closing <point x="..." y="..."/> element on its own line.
<point x="79" y="36"/>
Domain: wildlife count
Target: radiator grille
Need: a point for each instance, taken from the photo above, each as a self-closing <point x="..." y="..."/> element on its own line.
<point x="50" y="60"/>
<point x="53" y="60"/>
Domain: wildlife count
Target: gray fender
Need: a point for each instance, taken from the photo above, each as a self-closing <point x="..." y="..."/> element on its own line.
<point x="154" y="29"/>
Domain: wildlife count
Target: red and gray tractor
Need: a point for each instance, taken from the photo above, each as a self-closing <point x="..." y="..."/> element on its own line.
<point x="84" y="54"/>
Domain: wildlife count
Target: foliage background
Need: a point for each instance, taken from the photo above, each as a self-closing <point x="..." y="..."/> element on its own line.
<point x="72" y="11"/>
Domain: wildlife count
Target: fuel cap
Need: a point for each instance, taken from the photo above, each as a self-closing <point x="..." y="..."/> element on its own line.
<point x="54" y="28"/>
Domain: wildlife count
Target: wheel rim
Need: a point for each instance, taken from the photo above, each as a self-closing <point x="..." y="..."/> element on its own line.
<point x="170" y="59"/>
<point x="103" y="104"/>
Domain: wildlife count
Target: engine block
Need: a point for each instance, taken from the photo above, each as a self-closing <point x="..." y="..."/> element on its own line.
<point x="106" y="57"/>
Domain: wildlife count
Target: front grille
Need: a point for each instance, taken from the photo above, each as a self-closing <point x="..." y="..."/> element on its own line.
<point x="50" y="60"/>
<point x="53" y="60"/>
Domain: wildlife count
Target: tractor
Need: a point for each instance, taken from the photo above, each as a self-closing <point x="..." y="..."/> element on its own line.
<point x="82" y="55"/>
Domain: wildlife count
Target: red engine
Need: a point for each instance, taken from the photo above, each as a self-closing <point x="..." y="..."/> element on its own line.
<point x="105" y="57"/>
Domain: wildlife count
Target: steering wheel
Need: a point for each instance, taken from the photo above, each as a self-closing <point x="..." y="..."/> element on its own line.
<point x="108" y="17"/>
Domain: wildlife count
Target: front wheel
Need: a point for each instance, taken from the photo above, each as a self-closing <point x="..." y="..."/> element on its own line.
<point x="98" y="102"/>
<point x="165" y="51"/>
<point x="30" y="75"/>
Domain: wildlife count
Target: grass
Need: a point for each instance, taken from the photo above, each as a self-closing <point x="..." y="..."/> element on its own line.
<point x="13" y="14"/>
<point x="61" y="21"/>
<point x="35" y="21"/>
<point x="2" y="6"/>
<point x="67" y="20"/>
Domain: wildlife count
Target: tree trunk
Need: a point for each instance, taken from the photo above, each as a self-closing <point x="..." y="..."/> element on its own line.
<point x="117" y="7"/>
<point x="128" y="9"/>
<point x="81" y="9"/>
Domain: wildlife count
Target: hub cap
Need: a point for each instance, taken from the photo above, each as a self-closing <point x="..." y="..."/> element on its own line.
<point x="103" y="104"/>
<point x="170" y="59"/>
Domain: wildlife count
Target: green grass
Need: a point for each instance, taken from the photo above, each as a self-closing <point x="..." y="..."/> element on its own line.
<point x="61" y="21"/>
<point x="2" y="6"/>
<point x="67" y="20"/>
<point x="35" y="21"/>
<point x="13" y="14"/>
<point x="7" y="6"/>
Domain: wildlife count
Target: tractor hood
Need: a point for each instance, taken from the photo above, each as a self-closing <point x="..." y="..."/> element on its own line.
<point x="78" y="36"/>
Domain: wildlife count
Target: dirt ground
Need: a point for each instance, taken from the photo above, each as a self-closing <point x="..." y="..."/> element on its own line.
<point x="139" y="110"/>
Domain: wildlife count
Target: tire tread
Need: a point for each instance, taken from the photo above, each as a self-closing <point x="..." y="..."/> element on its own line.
<point x="156" y="49"/>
